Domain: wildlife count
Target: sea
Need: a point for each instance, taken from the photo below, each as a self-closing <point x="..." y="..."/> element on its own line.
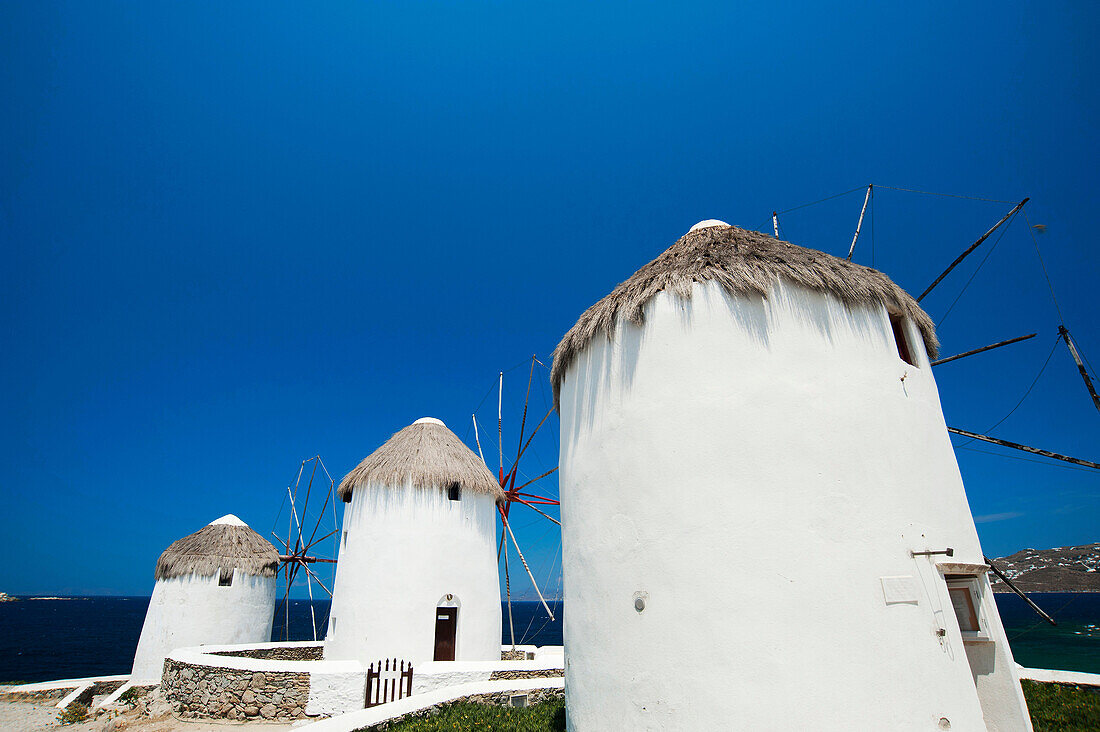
<point x="42" y="639"/>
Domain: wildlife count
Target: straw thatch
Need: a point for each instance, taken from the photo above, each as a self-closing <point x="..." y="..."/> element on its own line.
<point x="744" y="263"/>
<point x="219" y="546"/>
<point x="423" y="455"/>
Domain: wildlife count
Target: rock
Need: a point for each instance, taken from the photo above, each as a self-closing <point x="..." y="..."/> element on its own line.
<point x="248" y="697"/>
<point x="258" y="681"/>
<point x="268" y="711"/>
<point x="251" y="711"/>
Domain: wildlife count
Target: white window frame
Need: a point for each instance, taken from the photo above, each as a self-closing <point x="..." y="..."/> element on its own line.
<point x="971" y="584"/>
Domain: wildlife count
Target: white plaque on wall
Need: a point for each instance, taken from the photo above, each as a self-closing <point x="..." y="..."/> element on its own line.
<point x="900" y="590"/>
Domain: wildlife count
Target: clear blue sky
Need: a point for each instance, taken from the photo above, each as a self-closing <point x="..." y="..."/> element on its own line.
<point x="240" y="234"/>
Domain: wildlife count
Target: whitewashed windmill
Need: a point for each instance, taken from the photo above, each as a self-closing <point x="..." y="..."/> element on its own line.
<point x="214" y="586"/>
<point x="417" y="575"/>
<point x="759" y="494"/>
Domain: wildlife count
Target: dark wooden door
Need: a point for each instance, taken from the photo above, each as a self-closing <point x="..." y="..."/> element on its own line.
<point x="446" y="623"/>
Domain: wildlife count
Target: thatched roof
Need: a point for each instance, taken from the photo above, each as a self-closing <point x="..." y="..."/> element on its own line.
<point x="744" y="263"/>
<point x="424" y="455"/>
<point x="227" y="543"/>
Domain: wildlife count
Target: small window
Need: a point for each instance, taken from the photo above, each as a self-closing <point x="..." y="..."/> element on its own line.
<point x="517" y="700"/>
<point x="962" y="589"/>
<point x="454" y="492"/>
<point x="344" y="541"/>
<point x="225" y="578"/>
<point x="332" y="626"/>
<point x="897" y="323"/>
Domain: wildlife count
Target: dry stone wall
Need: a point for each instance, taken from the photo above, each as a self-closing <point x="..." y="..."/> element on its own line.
<point x="504" y="698"/>
<point x="282" y="653"/>
<point x="516" y="655"/>
<point x="225" y="693"/>
<point x="539" y="673"/>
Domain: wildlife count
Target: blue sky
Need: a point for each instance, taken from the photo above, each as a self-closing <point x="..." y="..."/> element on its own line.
<point x="239" y="235"/>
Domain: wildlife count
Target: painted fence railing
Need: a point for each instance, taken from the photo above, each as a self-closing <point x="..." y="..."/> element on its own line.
<point x="388" y="681"/>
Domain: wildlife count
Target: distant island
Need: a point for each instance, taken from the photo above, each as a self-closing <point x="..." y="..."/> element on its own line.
<point x="1062" y="569"/>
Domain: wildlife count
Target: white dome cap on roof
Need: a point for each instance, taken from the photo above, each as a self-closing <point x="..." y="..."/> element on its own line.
<point x="707" y="223"/>
<point x="228" y="519"/>
<point x="426" y="454"/>
<point x="430" y="420"/>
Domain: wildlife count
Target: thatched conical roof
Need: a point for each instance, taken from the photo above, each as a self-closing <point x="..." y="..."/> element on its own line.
<point x="744" y="263"/>
<point x="424" y="455"/>
<point x="227" y="543"/>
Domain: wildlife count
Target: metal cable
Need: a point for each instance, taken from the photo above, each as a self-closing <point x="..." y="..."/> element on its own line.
<point x="947" y="195"/>
<point x="1033" y="383"/>
<point x="988" y="254"/>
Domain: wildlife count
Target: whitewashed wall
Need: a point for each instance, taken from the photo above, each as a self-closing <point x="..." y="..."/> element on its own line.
<point x="750" y="469"/>
<point x="193" y="609"/>
<point x="406" y="550"/>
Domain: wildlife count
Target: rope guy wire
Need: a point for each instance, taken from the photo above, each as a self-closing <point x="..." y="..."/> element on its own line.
<point x="1026" y="393"/>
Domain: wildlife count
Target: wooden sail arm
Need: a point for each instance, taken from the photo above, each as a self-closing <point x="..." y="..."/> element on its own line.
<point x="859" y="224"/>
<point x="983" y="349"/>
<point x="1064" y="332"/>
<point x="972" y="247"/>
<point x="534" y="480"/>
<point x="302" y="559"/>
<point x="1015" y="589"/>
<point x="541" y="513"/>
<point x="529" y="498"/>
<point x="1025" y="448"/>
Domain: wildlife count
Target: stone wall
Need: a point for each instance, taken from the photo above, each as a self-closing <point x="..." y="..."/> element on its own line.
<point x="540" y="673"/>
<point x="516" y="655"/>
<point x="213" y="692"/>
<point x="504" y="698"/>
<point x="284" y="653"/>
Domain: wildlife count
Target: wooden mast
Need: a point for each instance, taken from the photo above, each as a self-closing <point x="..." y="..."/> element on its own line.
<point x="1025" y="448"/>
<point x="983" y="349"/>
<point x="972" y="247"/>
<point x="859" y="224"/>
<point x="1062" y="331"/>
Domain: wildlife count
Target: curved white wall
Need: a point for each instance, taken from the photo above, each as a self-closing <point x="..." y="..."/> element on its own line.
<point x="406" y="549"/>
<point x="194" y="610"/>
<point x="750" y="469"/>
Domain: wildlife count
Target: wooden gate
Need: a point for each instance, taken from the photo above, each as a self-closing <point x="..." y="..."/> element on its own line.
<point x="388" y="681"/>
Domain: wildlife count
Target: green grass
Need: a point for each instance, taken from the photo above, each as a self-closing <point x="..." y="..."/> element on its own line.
<point x="1053" y="707"/>
<point x="547" y="716"/>
<point x="1062" y="707"/>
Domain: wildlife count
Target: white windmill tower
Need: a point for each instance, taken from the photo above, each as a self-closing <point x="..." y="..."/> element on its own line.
<point x="417" y="576"/>
<point x="214" y="586"/>
<point x="758" y="495"/>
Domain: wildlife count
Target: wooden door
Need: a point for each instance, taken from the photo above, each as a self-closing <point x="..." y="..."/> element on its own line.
<point x="446" y="624"/>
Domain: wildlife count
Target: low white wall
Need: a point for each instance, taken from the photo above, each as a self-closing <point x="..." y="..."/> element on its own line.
<point x="1059" y="677"/>
<point x="207" y="656"/>
<point x="538" y="651"/>
<point x="58" y="684"/>
<point x="434" y="675"/>
<point x="418" y="702"/>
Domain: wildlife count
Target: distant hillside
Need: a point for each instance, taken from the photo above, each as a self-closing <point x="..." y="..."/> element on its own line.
<point x="1062" y="569"/>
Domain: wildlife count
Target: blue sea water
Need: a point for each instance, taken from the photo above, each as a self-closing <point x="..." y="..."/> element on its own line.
<point x="43" y="639"/>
